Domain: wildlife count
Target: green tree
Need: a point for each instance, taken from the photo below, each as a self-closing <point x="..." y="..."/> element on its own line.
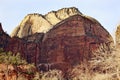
<point x="8" y="58"/>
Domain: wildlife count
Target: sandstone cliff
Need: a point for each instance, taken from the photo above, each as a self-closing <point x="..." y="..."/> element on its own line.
<point x="33" y="23"/>
<point x="60" y="44"/>
<point x="72" y="41"/>
<point x="117" y="36"/>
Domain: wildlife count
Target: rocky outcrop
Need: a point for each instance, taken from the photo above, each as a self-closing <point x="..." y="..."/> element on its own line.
<point x="29" y="50"/>
<point x="68" y="43"/>
<point x="4" y="38"/>
<point x="117" y="36"/>
<point x="37" y="23"/>
<point x="73" y="41"/>
<point x="31" y="24"/>
<point x="28" y="47"/>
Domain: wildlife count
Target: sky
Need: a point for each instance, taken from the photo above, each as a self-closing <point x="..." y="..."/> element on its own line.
<point x="107" y="12"/>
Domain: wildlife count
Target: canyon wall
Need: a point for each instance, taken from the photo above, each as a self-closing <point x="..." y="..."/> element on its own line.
<point x="60" y="44"/>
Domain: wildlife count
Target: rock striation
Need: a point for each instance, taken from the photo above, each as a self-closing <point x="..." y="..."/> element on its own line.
<point x="72" y="41"/>
<point x="28" y="49"/>
<point x="66" y="44"/>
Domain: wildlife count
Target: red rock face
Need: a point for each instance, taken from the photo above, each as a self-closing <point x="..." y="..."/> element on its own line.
<point x="4" y="38"/>
<point x="29" y="50"/>
<point x="28" y="47"/>
<point x="72" y="41"/>
<point x="67" y="44"/>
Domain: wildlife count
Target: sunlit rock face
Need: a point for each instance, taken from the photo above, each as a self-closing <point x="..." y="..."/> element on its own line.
<point x="117" y="36"/>
<point x="37" y="23"/>
<point x="4" y="38"/>
<point x="31" y="24"/>
<point x="57" y="41"/>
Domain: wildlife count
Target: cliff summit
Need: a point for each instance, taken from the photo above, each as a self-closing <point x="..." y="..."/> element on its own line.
<point x="37" y="23"/>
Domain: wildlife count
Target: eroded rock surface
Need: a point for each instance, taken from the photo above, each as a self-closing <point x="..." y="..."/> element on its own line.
<point x="117" y="36"/>
<point x="68" y="43"/>
<point x="72" y="41"/>
<point x="29" y="47"/>
<point x="37" y="23"/>
<point x="31" y="24"/>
